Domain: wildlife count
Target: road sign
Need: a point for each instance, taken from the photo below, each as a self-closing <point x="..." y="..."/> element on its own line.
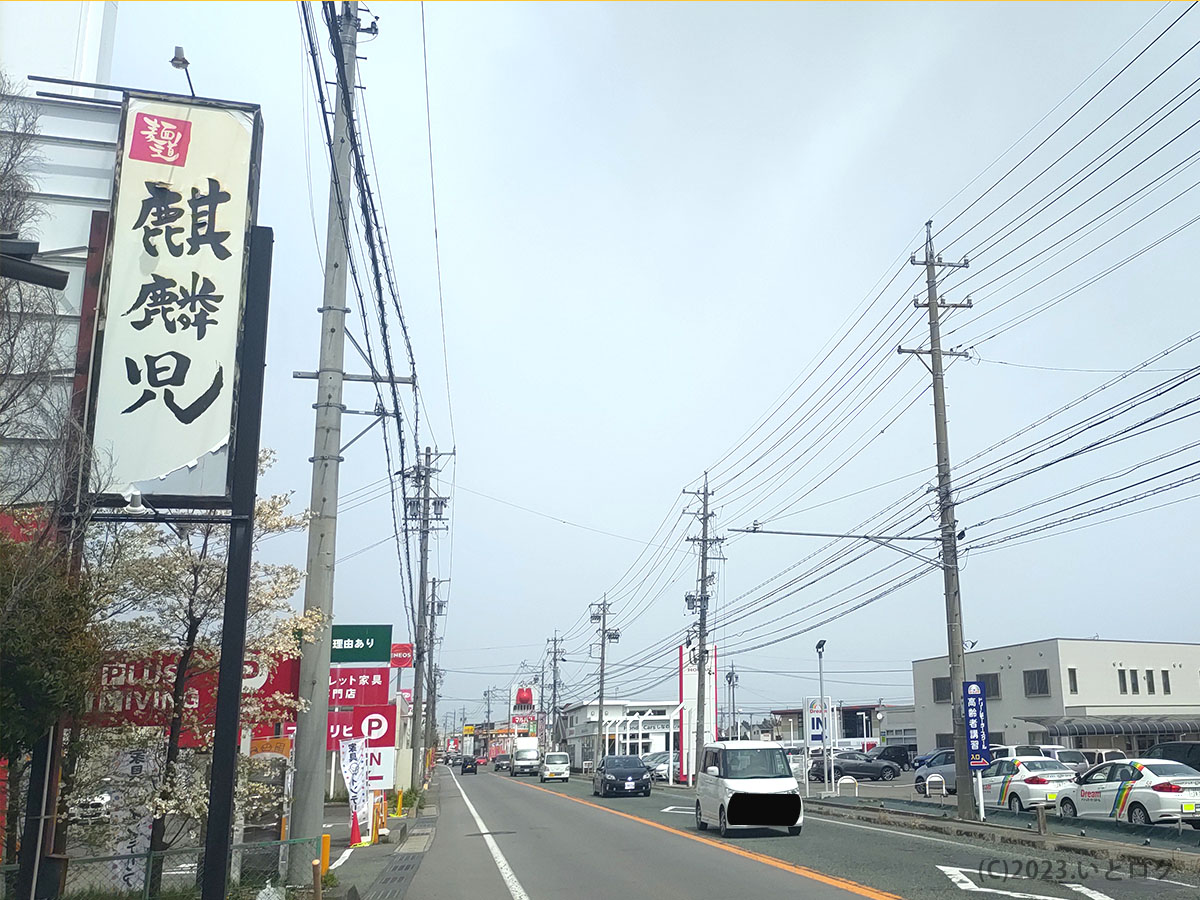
<point x="377" y="724"/>
<point x="381" y="768"/>
<point x="979" y="756"/>
<point x="361" y="643"/>
<point x="402" y="656"/>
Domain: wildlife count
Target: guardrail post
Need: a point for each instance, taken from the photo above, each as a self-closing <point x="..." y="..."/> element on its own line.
<point x="1041" y="819"/>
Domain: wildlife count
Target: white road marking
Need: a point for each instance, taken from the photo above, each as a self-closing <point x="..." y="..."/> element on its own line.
<point x="963" y="882"/>
<point x="682" y="810"/>
<point x="895" y="831"/>
<point x="506" y="872"/>
<point x="341" y="859"/>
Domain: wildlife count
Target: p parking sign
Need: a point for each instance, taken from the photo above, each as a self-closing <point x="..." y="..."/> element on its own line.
<point x="979" y="756"/>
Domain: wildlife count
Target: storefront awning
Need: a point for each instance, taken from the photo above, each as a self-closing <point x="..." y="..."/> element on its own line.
<point x="1079" y="726"/>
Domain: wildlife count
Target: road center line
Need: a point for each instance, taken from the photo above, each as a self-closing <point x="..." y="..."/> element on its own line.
<point x="341" y="859"/>
<point x="852" y="887"/>
<point x="506" y="872"/>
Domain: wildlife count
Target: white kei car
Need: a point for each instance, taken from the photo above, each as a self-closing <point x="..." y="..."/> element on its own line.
<point x="747" y="784"/>
<point x="1025" y="782"/>
<point x="1141" y="791"/>
<point x="555" y="767"/>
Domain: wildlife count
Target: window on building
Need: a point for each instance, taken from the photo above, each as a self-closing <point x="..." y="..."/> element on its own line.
<point x="1121" y="682"/>
<point x="991" y="684"/>
<point x="1037" y="683"/>
<point x="1166" y="681"/>
<point x="945" y="740"/>
<point x="1149" y="681"/>
<point x="941" y="690"/>
<point x="1072" y="681"/>
<point x="995" y="737"/>
<point x="1039" y="737"/>
<point x="1133" y="681"/>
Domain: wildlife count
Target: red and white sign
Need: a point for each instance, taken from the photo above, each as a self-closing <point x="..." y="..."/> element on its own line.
<point x="524" y="718"/>
<point x="406" y="693"/>
<point x="381" y="768"/>
<point x="159" y="139"/>
<point x="402" y="656"/>
<point x="341" y="727"/>
<point x="377" y="724"/>
<point x="359" y="686"/>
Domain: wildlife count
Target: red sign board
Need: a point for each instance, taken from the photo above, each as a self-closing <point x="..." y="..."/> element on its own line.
<point x="377" y="724"/>
<point x="406" y="693"/>
<point x="402" y="656"/>
<point x="358" y="686"/>
<point x="341" y="727"/>
<point x="524" y="718"/>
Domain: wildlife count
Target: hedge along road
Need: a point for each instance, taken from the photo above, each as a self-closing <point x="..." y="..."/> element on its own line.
<point x="856" y="859"/>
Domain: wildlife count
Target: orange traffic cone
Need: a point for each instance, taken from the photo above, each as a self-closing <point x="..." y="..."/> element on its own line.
<point x="355" y="834"/>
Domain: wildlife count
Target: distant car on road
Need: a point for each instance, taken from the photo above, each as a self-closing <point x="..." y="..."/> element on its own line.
<point x="1140" y="791"/>
<point x="555" y="767"/>
<point x="501" y="762"/>
<point x="661" y="764"/>
<point x="469" y="766"/>
<point x="481" y="760"/>
<point x="1025" y="782"/>
<point x="859" y="765"/>
<point x="939" y="763"/>
<point x="747" y="784"/>
<point x="621" y="775"/>
<point x="892" y="753"/>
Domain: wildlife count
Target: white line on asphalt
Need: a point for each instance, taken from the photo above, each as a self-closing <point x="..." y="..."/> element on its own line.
<point x="963" y="881"/>
<point x="506" y="872"/>
<point x="895" y="831"/>
<point x="341" y="859"/>
<point x="684" y="810"/>
<point x="1087" y="892"/>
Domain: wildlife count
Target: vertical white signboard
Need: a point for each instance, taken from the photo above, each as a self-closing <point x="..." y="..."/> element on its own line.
<point x="165" y="387"/>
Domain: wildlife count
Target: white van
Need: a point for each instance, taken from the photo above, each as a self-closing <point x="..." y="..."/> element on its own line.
<point x="555" y="767"/>
<point x="747" y="784"/>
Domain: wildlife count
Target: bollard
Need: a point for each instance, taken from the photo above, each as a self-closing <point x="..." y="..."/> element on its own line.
<point x="316" y="864"/>
<point x="1041" y="819"/>
<point x="324" y="853"/>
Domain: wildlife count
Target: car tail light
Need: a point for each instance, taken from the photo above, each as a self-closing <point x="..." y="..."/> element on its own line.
<point x="1036" y="779"/>
<point x="1167" y="787"/>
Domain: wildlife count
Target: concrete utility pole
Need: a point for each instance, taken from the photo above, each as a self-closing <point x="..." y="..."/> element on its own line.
<point x="436" y="609"/>
<point x="418" y="759"/>
<point x="700" y="599"/>
<point x="600" y="614"/>
<point x="962" y="771"/>
<point x="311" y="722"/>
<point x="555" y="651"/>
<point x="731" y="680"/>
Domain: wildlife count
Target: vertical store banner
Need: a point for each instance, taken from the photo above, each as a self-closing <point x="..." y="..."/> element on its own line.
<point x="175" y="289"/>
<point x="979" y="754"/>
<point x="131" y="818"/>
<point x="353" y="754"/>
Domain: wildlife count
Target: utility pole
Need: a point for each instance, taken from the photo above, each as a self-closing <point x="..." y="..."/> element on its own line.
<point x="311" y="723"/>
<point x="419" y="651"/>
<point x="731" y="680"/>
<point x="966" y="805"/>
<point x="555" y="652"/>
<point x="700" y="600"/>
<point x="600" y="614"/>
<point x="437" y="608"/>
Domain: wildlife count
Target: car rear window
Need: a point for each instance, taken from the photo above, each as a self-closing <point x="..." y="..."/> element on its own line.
<point x="1171" y="770"/>
<point x="503" y="757"/>
<point x="527" y="754"/>
<point x="1071" y="756"/>
<point x="557" y="759"/>
<point x="1044" y="765"/>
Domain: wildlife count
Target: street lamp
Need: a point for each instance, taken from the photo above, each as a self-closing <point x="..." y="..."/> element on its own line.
<point x="824" y="712"/>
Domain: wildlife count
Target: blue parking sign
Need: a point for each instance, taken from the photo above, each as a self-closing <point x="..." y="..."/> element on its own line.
<point x="979" y="756"/>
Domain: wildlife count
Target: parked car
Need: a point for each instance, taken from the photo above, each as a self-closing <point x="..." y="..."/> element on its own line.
<point x="940" y="763"/>
<point x="747" y="784"/>
<point x="469" y="766"/>
<point x="892" y="753"/>
<point x="661" y="765"/>
<point x="860" y="765"/>
<point x="501" y="762"/>
<point x="621" y="775"/>
<point x="921" y="758"/>
<point x="1186" y="752"/>
<point x="555" y="767"/>
<point x="1097" y="756"/>
<point x="1002" y="751"/>
<point x="1075" y="760"/>
<point x="89" y="811"/>
<point x="1025" y="782"/>
<point x="1141" y="791"/>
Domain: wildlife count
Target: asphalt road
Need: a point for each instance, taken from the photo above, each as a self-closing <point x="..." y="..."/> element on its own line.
<point x="527" y="840"/>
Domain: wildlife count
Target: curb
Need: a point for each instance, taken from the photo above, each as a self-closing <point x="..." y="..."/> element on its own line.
<point x="1140" y="857"/>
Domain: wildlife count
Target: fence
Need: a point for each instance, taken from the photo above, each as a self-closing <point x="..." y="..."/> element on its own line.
<point x="175" y="874"/>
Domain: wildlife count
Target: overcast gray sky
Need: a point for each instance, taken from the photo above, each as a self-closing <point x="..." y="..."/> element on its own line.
<point x="653" y="220"/>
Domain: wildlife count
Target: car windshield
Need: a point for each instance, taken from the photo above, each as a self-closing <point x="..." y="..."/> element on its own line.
<point x="625" y="762"/>
<point x="1171" y="770"/>
<point x="1071" y="756"/>
<point x="1044" y="765"/>
<point x="557" y="759"/>
<point x="757" y="762"/>
<point x="527" y="754"/>
<point x="503" y="757"/>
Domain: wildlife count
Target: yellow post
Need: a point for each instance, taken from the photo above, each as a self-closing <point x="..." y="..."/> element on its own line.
<point x="324" y="853"/>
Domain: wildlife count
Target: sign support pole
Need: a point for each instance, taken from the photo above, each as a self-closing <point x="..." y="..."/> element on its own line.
<point x="237" y="577"/>
<point x="979" y="792"/>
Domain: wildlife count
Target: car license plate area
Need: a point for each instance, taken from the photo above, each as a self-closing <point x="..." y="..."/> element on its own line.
<point x="763" y="809"/>
<point x="1053" y="795"/>
<point x="1189" y="807"/>
<point x="629" y="785"/>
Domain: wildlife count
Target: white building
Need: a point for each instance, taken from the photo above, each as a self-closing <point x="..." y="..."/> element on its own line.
<point x="632" y="727"/>
<point x="1081" y="693"/>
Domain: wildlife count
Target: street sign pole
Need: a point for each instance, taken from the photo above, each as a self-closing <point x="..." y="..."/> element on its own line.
<point x="979" y="755"/>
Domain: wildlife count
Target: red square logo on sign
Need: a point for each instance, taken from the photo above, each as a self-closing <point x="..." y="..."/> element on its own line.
<point x="377" y="724"/>
<point x="402" y="656"/>
<point x="158" y="139"/>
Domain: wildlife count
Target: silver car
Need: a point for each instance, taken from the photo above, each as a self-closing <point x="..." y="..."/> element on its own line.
<point x="941" y="763"/>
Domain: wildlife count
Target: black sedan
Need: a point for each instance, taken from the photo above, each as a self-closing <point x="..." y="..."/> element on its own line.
<point x="621" y="775"/>
<point x="469" y="765"/>
<point x="502" y="763"/>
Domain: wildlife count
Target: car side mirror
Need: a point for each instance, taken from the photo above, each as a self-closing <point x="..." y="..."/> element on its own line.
<point x="712" y="770"/>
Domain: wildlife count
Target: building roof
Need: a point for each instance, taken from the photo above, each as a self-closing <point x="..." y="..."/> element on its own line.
<point x="1079" y="726"/>
<point x="1060" y="640"/>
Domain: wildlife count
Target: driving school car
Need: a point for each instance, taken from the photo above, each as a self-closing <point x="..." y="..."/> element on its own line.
<point x="1025" y="782"/>
<point x="1139" y="791"/>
